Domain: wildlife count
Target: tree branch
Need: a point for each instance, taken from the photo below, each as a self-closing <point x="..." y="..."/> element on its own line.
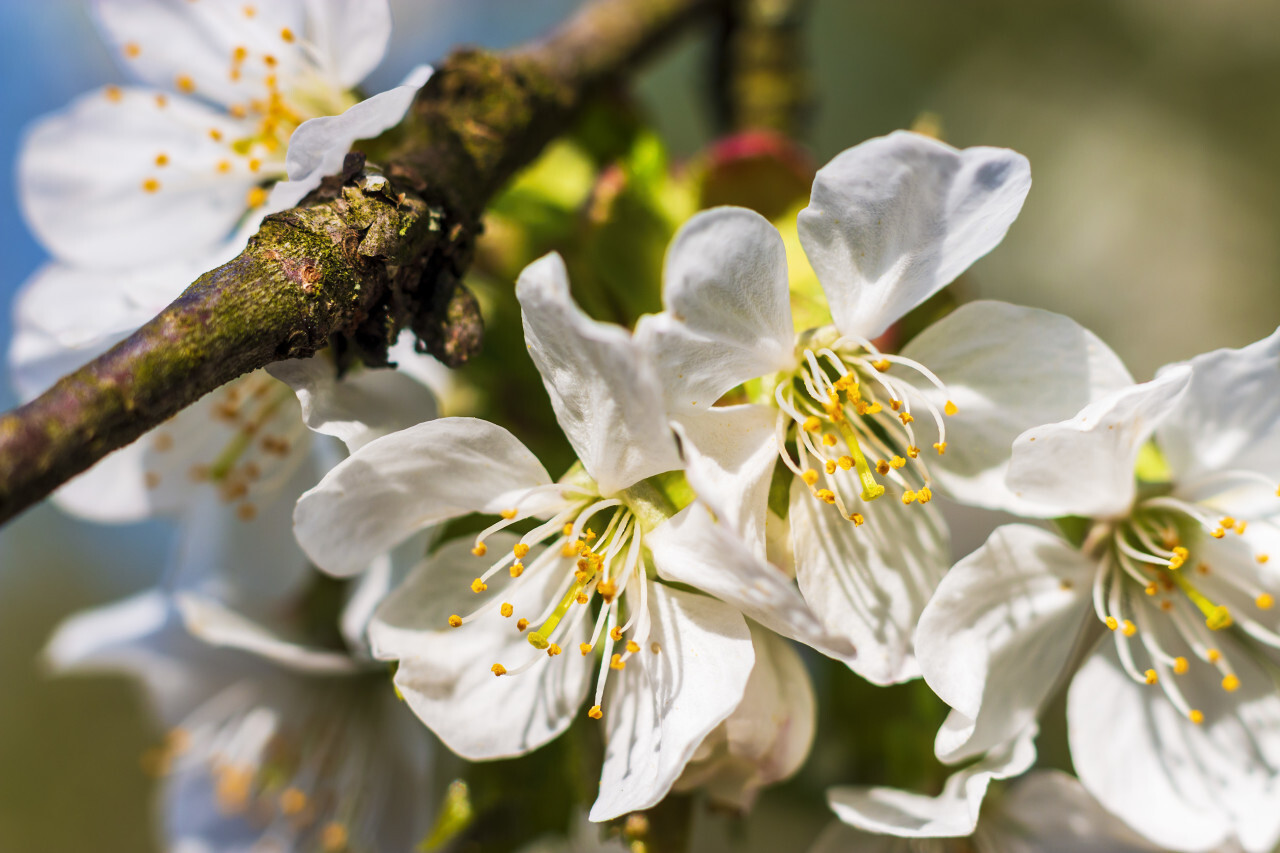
<point x="362" y="258"/>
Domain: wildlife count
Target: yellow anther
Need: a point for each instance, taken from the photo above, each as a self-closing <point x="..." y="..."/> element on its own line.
<point x="825" y="495"/>
<point x="1218" y="618"/>
<point x="132" y="50"/>
<point x="538" y="640"/>
<point x="568" y="549"/>
<point x="582" y="598"/>
<point x="498" y="669"/>
<point x="161" y="101"/>
<point x="1231" y="683"/>
<point x="114" y="94"/>
<point x="215" y="134"/>
<point x="522" y="623"/>
<point x="829" y="440"/>
<point x="292" y="801"/>
<point x="185" y="84"/>
<point x="585" y="648"/>
<point x="617" y="663"/>
<point x="857" y="519"/>
<point x="553" y="650"/>
<point x="1151" y="676"/>
<point x="882" y="467"/>
<point x="506" y="609"/>
<point x="607" y="590"/>
<point x="455" y="621"/>
<point x="1262" y="558"/>
<point x="1128" y="628"/>
<point x="940" y="446"/>
<point x="1264" y="601"/>
<point x="478" y="586"/>
<point x="516" y="569"/>
<point x="1217" y="533"/>
<point x="924" y="495"/>
<point x="162" y="160"/>
<point x="521" y="550"/>
<point x="256" y="197"/>
<point x="908" y="497"/>
<point x="616" y="633"/>
<point x="633" y="646"/>
<point x="151" y="185"/>
<point x="1152" y="589"/>
<point x="237" y="111"/>
<point x="567" y="530"/>
<point x="588" y="534"/>
<point x="846" y="382"/>
<point x="1112" y="624"/>
<point x="595" y="713"/>
<point x="865" y="408"/>
<point x="255" y="164"/>
<point x="270" y="61"/>
<point x="812" y="424"/>
<point x="897" y="462"/>
<point x="895" y="404"/>
<point x="913" y="451"/>
<point x="1240" y="527"/>
<point x="845" y="462"/>
<point x="286" y="34"/>
<point x="809" y="476"/>
<point x="509" y="514"/>
<point x="224" y="166"/>
<point x="1227" y="521"/>
<point x="1196" y="716"/>
<point x="905" y="417"/>
<point x="1213" y="655"/>
<point x="480" y="550"/>
<point x="240" y="54"/>
<point x="881" y="364"/>
<point x="950" y="408"/>
<point x="1180" y="665"/>
<point x="830" y="466"/>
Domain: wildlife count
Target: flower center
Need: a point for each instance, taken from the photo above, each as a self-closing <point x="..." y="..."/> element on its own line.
<point x="254" y="435"/>
<point x="1172" y="577"/>
<point x="844" y="421"/>
<point x="598" y="573"/>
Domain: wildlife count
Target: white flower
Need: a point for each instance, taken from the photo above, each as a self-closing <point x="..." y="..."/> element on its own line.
<point x="272" y="745"/>
<point x="863" y="432"/>
<point x="1174" y="720"/>
<point x="672" y="664"/>
<point x="766" y="738"/>
<point x="166" y="170"/>
<point x="1044" y="812"/>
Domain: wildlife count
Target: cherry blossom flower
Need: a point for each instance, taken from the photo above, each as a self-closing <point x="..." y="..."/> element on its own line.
<point x="272" y="743"/>
<point x="672" y="664"/>
<point x="233" y="98"/>
<point x="864" y="435"/>
<point x="1174" y="719"/>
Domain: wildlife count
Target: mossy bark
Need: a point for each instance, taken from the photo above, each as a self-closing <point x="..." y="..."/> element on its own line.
<point x="360" y="259"/>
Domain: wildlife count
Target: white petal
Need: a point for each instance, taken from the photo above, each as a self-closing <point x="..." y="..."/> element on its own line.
<point x="839" y="837"/>
<point x="952" y="813"/>
<point x="766" y="738"/>
<point x="319" y="145"/>
<point x="869" y="583"/>
<point x="605" y="395"/>
<point x="997" y="636"/>
<point x="83" y="179"/>
<point x="385" y="573"/>
<point x="691" y="548"/>
<point x="1084" y="466"/>
<point x="350" y="36"/>
<point x="1049" y="811"/>
<point x="1229" y="417"/>
<point x="113" y="491"/>
<point x="896" y="219"/>
<point x="176" y="39"/>
<point x="444" y="672"/>
<point x="730" y="453"/>
<point x="142" y="636"/>
<point x="405" y="481"/>
<point x="689" y="677"/>
<point x="220" y="626"/>
<point x="1184" y="786"/>
<point x="363" y="405"/>
<point x="728" y="310"/>
<point x="1007" y="369"/>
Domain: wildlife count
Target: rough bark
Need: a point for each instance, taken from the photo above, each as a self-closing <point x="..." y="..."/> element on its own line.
<point x="361" y="258"/>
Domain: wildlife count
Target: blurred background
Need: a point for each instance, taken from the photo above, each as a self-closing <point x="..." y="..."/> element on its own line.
<point x="1152" y="128"/>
